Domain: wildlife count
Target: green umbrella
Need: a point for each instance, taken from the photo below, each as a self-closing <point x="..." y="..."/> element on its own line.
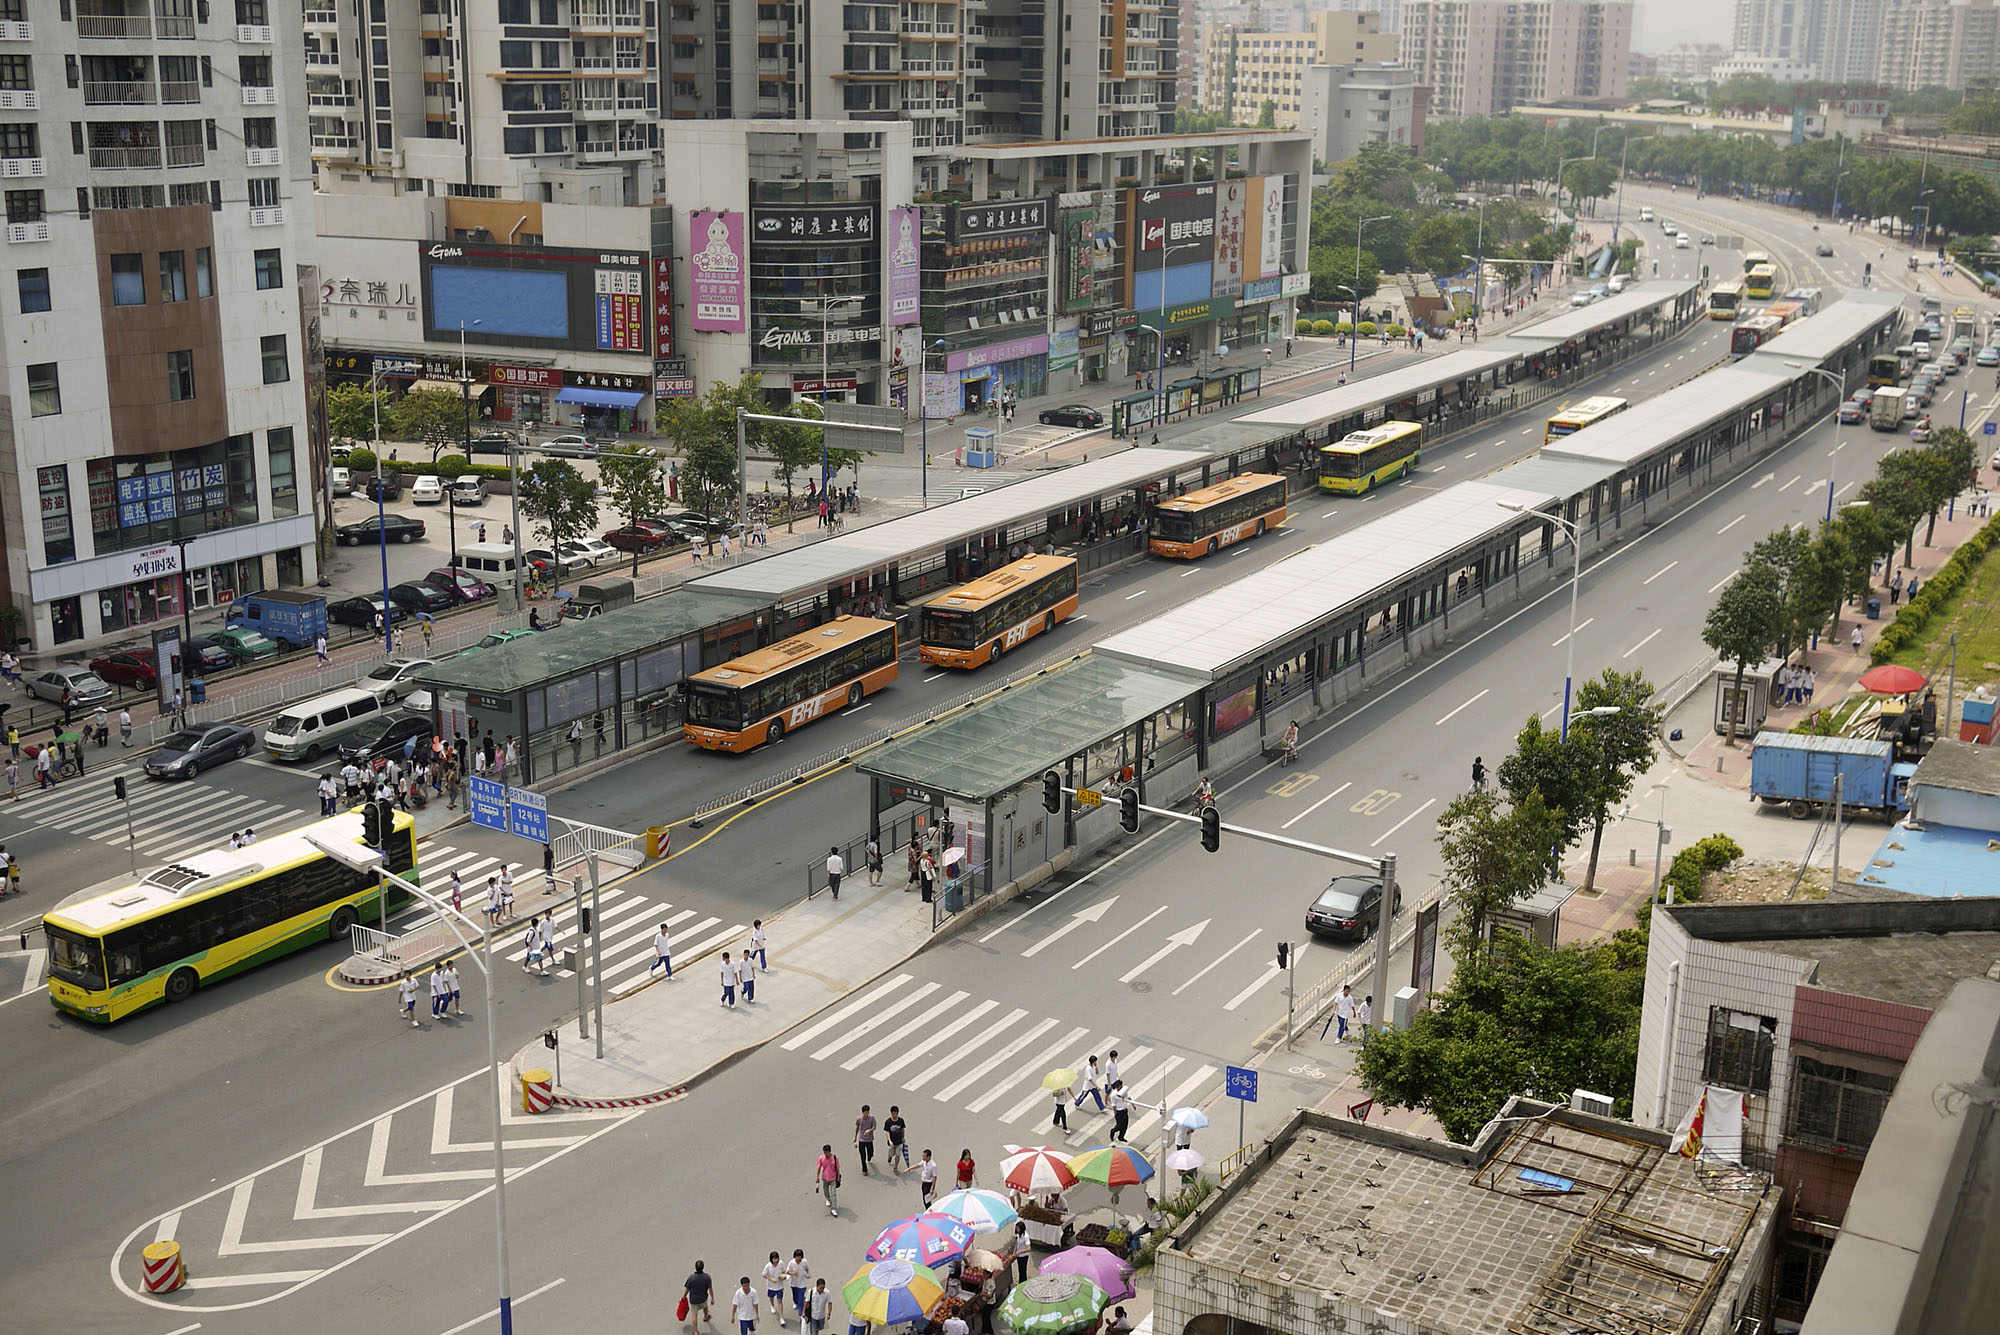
<point x="1050" y="1304"/>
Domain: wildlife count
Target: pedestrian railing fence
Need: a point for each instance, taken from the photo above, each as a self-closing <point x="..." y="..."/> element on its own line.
<point x="854" y="856"/>
<point x="955" y="894"/>
<point x="368" y="942"/>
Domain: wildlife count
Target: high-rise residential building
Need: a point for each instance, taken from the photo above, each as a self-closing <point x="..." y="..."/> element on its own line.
<point x="1390" y="10"/>
<point x="826" y="196"/>
<point x="1851" y="52"/>
<point x="1690" y="62"/>
<point x="1348" y="106"/>
<point x="159" y="356"/>
<point x="1247" y="69"/>
<point x="1788" y="32"/>
<point x="1480" y="57"/>
<point x="1926" y="43"/>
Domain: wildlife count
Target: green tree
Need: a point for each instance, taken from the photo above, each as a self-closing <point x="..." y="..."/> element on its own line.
<point x="1901" y="494"/>
<point x="1745" y="622"/>
<point x="1494" y="856"/>
<point x="351" y="409"/>
<point x="560" y="501"/>
<point x="1267" y="115"/>
<point x="635" y="483"/>
<point x="1332" y="273"/>
<point x="1439" y="244"/>
<point x="705" y="431"/>
<point x="430" y="417"/>
<point x="1623" y="743"/>
<point x="1947" y="461"/>
<point x="1557" y="770"/>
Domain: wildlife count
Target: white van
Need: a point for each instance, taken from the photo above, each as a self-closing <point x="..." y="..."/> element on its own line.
<point x="1617" y="283"/>
<point x="489" y="561"/>
<point x="339" y="481"/>
<point x="1645" y="215"/>
<point x="313" y="727"/>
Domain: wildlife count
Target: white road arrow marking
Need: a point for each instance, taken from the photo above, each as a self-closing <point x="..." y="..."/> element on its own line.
<point x="1185" y="937"/>
<point x="1120" y="937"/>
<point x="232" y="1243"/>
<point x="307" y="1205"/>
<point x="442" y="1143"/>
<point x="378" y="1174"/>
<point x="1092" y="914"/>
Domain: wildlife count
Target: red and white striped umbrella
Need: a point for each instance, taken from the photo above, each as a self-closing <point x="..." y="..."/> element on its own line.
<point x="1036" y="1169"/>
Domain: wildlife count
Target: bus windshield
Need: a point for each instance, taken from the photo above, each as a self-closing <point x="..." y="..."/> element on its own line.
<point x="76" y="959"/>
<point x="952" y="630"/>
<point x="714" y="706"/>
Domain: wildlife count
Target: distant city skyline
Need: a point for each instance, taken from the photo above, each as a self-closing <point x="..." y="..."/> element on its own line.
<point x="1661" y="25"/>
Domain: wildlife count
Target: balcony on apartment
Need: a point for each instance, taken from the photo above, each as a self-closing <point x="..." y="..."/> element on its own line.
<point x="112" y="81"/>
<point x="606" y="16"/>
<point x="114" y="18"/>
<point x="327" y="95"/>
<point x="123" y="146"/>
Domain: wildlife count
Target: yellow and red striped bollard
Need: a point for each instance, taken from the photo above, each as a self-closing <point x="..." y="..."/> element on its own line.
<point x="162" y="1266"/>
<point x="537" y="1091"/>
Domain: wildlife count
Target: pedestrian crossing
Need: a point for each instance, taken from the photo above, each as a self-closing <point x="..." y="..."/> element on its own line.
<point x="625" y="924"/>
<point x="168" y="820"/>
<point x="892" y="1032"/>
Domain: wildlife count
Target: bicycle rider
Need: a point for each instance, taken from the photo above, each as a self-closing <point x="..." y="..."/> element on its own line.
<point x="1478" y="774"/>
<point x="1291" y="742"/>
<point x="1204" y="794"/>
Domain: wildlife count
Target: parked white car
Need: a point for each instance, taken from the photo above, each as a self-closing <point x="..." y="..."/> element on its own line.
<point x="428" y="489"/>
<point x="589" y="552"/>
<point x="393" y="678"/>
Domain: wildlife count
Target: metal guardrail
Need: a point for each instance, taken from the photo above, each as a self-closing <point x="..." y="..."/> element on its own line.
<point x="1234" y="1161"/>
<point x="574" y="846"/>
<point x="369" y="941"/>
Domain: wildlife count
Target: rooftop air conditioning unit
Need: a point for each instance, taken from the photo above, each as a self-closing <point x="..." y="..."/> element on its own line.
<point x="1583" y="1101"/>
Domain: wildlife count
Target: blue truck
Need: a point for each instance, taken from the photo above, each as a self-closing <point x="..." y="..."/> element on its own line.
<point x="1797" y="771"/>
<point x="294" y="620"/>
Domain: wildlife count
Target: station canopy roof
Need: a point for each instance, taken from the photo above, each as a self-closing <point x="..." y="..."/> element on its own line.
<point x="571" y="647"/>
<point x="1007" y="739"/>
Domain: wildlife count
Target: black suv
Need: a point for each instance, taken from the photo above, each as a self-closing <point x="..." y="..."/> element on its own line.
<point x="385" y="740"/>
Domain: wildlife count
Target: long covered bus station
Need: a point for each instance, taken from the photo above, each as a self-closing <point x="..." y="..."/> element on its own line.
<point x="1212" y="682"/>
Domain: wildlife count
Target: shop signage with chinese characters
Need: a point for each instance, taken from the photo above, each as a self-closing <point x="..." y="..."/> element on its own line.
<point x="813" y="222"/>
<point x="525" y="377"/>
<point x="663" y="306"/>
<point x="1099" y="323"/>
<point x="831" y="385"/>
<point x="673" y="386"/>
<point x="993" y="354"/>
<point x="153" y="563"/>
<point x="628" y="384"/>
<point x="1012" y="216"/>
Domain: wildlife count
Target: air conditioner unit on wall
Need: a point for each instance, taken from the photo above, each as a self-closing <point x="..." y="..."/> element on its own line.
<point x="1583" y="1101"/>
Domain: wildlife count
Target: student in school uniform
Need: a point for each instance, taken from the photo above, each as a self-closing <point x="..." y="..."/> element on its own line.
<point x="746" y="978"/>
<point x="816" y="1310"/>
<point x="757" y="946"/>
<point x="798" y="1278"/>
<point x="1093" y="1084"/>
<point x="663" y="946"/>
<point x="728" y="982"/>
<point x="743" y="1304"/>
<point x="451" y="984"/>
<point x="533" y="962"/>
<point x="1121" y="1110"/>
<point x="406" y="998"/>
<point x="438" y="991"/>
<point x="774" y="1287"/>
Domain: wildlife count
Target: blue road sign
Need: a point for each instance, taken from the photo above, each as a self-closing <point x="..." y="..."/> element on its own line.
<point x="528" y="814"/>
<point x="1989" y="428"/>
<point x="487" y="801"/>
<point x="1240" y="1082"/>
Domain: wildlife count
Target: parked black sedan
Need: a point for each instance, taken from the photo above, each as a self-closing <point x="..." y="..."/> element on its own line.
<point x="1072" y="414"/>
<point x="386" y="739"/>
<point x="361" y="611"/>
<point x="204" y="746"/>
<point x="397" y="528"/>
<point x="1348" y="909"/>
<point x="420" y="597"/>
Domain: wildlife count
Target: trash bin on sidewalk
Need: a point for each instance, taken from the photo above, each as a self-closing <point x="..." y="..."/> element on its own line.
<point x="1874" y="609"/>
<point x="197" y="691"/>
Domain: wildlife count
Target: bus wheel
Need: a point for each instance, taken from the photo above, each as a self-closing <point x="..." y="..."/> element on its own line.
<point x="774" y="730"/>
<point x="1260" y="528"/>
<point x="853" y="694"/>
<point x="181" y="984"/>
<point x="343" y="923"/>
<point x="999" y="648"/>
<point x="1211" y="546"/>
<point x="1048" y="622"/>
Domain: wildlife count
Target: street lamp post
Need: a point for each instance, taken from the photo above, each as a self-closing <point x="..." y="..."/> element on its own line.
<point x="1839" y="389"/>
<point x="1618" y="217"/>
<point x="826" y="304"/>
<point x="381" y="524"/>
<point x="1576" y="580"/>
<point x="923" y="417"/>
<point x="1925" y="211"/>
<point x="1839" y="169"/>
<point x="1354" y="336"/>
<point x="1160" y="334"/>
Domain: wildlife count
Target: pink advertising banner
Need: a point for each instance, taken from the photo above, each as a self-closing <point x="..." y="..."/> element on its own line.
<point x="905" y="275"/>
<point x="716" y="265"/>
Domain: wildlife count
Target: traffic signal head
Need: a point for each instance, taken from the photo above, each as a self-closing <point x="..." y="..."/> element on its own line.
<point x="372" y="833"/>
<point x="1211" y="829"/>
<point x="1051" y="792"/>
<point x="118" y="786"/>
<point x="1284" y="954"/>
<point x="1128" y="810"/>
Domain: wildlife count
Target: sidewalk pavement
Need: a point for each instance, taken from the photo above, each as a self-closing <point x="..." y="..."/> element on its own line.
<point x="662" y="1036"/>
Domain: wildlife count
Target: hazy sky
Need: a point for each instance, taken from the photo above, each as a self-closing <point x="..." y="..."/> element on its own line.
<point x="1662" y="24"/>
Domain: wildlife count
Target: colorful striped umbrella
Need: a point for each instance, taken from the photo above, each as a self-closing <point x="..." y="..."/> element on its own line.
<point x="888" y="1293"/>
<point x="1113" y="1165"/>
<point x="1052" y="1304"/>
<point x="1106" y="1269"/>
<point x="927" y="1239"/>
<point x="987" y="1212"/>
<point x="1035" y="1169"/>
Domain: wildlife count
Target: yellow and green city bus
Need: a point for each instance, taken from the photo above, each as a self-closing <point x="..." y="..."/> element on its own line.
<point x="1761" y="283"/>
<point x="213" y="914"/>
<point x="1725" y="298"/>
<point x="1751" y="259"/>
<point x="1364" y="459"/>
<point x="1573" y="417"/>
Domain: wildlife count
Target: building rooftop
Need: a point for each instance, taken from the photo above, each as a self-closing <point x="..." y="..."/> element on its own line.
<point x="1542" y="1220"/>
<point x="1935" y="861"/>
<point x="1961" y="766"/>
<point x="1908" y="951"/>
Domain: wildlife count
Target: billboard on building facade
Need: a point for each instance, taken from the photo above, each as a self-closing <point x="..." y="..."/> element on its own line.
<point x="1010" y="217"/>
<point x="1232" y="209"/>
<point x="537" y="296"/>
<point x="716" y="273"/>
<point x="1171" y="239"/>
<point x="905" y="271"/>
<point x="1078" y="235"/>
<point x="1270" y="226"/>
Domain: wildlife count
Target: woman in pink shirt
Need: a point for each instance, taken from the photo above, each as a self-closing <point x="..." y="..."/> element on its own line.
<point x="826" y="1175"/>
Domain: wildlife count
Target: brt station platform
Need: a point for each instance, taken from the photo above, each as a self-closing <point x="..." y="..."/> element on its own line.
<point x="1213" y="682"/>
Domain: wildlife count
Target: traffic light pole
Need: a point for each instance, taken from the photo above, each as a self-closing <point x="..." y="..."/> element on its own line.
<point x="1212" y="826"/>
<point x="131" y="839"/>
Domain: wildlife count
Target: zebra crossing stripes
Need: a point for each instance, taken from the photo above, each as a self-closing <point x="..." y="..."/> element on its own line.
<point x="167" y="820"/>
<point x="625" y="925"/>
<point x="900" y="1015"/>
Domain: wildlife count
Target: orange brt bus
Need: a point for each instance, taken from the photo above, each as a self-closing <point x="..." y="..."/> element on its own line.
<point x="767" y="692"/>
<point x="1213" y="517"/>
<point x="977" y="622"/>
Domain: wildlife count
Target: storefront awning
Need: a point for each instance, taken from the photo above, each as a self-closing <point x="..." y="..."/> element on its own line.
<point x="450" y="387"/>
<point x="600" y="398"/>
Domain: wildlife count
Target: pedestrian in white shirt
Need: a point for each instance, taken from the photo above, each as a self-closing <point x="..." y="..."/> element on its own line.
<point x="774" y="1287"/>
<point x="728" y="982"/>
<point x="451" y="987"/>
<point x="1111" y="1076"/>
<point x="746" y="978"/>
<point x="1366" y="1014"/>
<point x="457" y="892"/>
<point x="440" y="994"/>
<point x="820" y="1304"/>
<point x="1093" y="1084"/>
<point x="927" y="1179"/>
<point x="125" y="727"/>
<point x="757" y="946"/>
<point x="662" y="952"/>
<point x="406" y="998"/>
<point x="492" y="902"/>
<point x="319" y="648"/>
<point x="1121" y="1109"/>
<point x="835" y="866"/>
<point x="799" y="1279"/>
<point x="744" y="1304"/>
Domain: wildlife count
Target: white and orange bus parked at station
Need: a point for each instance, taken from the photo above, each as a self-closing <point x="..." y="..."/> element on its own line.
<point x="979" y="621"/>
<point x="1212" y="518"/>
<point x="766" y="693"/>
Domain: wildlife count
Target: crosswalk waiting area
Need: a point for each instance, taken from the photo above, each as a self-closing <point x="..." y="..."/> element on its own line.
<point x="625" y="925"/>
<point x="893" y="1031"/>
<point x="168" y="820"/>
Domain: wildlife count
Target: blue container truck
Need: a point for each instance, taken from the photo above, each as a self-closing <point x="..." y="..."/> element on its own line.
<point x="1798" y="771"/>
<point x="294" y="620"/>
